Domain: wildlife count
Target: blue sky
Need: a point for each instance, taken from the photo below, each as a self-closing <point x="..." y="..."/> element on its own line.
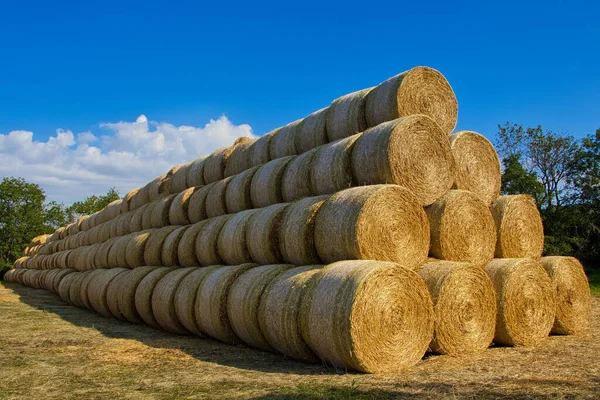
<point x="74" y="65"/>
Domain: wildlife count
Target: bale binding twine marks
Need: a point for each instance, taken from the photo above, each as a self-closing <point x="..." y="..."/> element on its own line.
<point x="369" y="316"/>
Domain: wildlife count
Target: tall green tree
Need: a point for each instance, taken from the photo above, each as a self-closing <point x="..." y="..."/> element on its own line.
<point x="91" y="204"/>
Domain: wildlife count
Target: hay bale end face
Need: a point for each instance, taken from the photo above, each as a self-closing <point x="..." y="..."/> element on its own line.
<point x="411" y="151"/>
<point x="170" y="247"/>
<point x="232" y="241"/>
<point x="519" y="229"/>
<point x="526" y="301"/>
<point x="263" y="232"/>
<point x="267" y="182"/>
<point x="136" y="248"/>
<point x="215" y="199"/>
<point x="296" y="182"/>
<point x="573" y="298"/>
<point x="197" y="204"/>
<point x="368" y="316"/>
<point x="206" y="246"/>
<point x="462" y="228"/>
<point x="178" y="212"/>
<point x="238" y="194"/>
<point x="154" y="245"/>
<point x="186" y="250"/>
<point x="330" y="169"/>
<point x="420" y="90"/>
<point x="126" y="297"/>
<point x="98" y="288"/>
<point x="143" y="295"/>
<point x="477" y="165"/>
<point x="163" y="301"/>
<point x="464" y="306"/>
<point x="379" y="222"/>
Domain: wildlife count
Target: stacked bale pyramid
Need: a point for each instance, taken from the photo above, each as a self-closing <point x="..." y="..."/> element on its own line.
<point x="362" y="235"/>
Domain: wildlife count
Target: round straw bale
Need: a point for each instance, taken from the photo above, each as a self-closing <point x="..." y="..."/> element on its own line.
<point x="9" y="276"/>
<point x="71" y="229"/>
<point x="120" y="245"/>
<point x="126" y="295"/>
<point x="136" y="248"/>
<point x="420" y="90"/>
<point x="462" y="228"/>
<point x="464" y="304"/>
<point x="163" y="301"/>
<point x="346" y="115"/>
<point x="195" y="175"/>
<point x="75" y="289"/>
<point x="526" y="302"/>
<point x="64" y="286"/>
<point x="243" y="301"/>
<point x="154" y="192"/>
<point x="141" y="197"/>
<point x="86" y="223"/>
<point x="104" y="233"/>
<point x="101" y="260"/>
<point x="166" y="185"/>
<point x="215" y="199"/>
<point x="186" y="250"/>
<point x="84" y="287"/>
<point x="259" y="150"/>
<point x="178" y="212"/>
<point x="179" y="180"/>
<point x="262" y="234"/>
<point x="154" y="245"/>
<point x="379" y="222"/>
<point x="519" y="229"/>
<point x="143" y="295"/>
<point x="148" y="214"/>
<point x="214" y="166"/>
<point x="573" y="298"/>
<point x="330" y="171"/>
<point x="211" y="302"/>
<point x="370" y="316"/>
<point x="232" y="242"/>
<point x="197" y="204"/>
<point x="122" y="252"/>
<point x="48" y="279"/>
<point x="185" y="298"/>
<point x="61" y="260"/>
<point x="90" y="257"/>
<point x="94" y="236"/>
<point x="239" y="160"/>
<point x="98" y="288"/>
<point x="126" y="204"/>
<point x="477" y="165"/>
<point x="238" y="194"/>
<point x="206" y="246"/>
<point x="138" y="217"/>
<point x="267" y="182"/>
<point x="59" y="277"/>
<point x="81" y="223"/>
<point x="283" y="141"/>
<point x="114" y="208"/>
<point x="124" y="224"/>
<point x="312" y="132"/>
<point x="112" y="296"/>
<point x="296" y="183"/>
<point x="160" y="212"/>
<point x="411" y="151"/>
<point x="113" y="227"/>
<point x="296" y="233"/>
<point x="171" y="246"/>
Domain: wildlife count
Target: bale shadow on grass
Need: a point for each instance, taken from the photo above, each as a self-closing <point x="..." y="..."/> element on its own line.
<point x="204" y="349"/>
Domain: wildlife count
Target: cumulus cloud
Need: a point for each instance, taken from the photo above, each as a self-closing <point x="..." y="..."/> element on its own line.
<point x="70" y="167"/>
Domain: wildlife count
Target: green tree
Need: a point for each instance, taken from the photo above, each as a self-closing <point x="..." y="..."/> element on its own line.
<point x="91" y="204"/>
<point x="516" y="180"/>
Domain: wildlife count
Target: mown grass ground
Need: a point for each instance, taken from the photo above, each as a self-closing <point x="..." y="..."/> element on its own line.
<point x="51" y="350"/>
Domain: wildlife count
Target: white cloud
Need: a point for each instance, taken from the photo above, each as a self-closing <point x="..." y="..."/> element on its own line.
<point x="70" y="167"/>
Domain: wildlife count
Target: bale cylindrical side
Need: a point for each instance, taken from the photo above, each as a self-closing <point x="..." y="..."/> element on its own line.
<point x="259" y="150"/>
<point x="526" y="301"/>
<point x="126" y="297"/>
<point x="75" y="290"/>
<point x="420" y="90"/>
<point x="296" y="180"/>
<point x="186" y="250"/>
<point x="331" y="169"/>
<point x="573" y="298"/>
<point x="178" y="212"/>
<point x="262" y="234"/>
<point x="118" y="248"/>
<point x="138" y="199"/>
<point x="215" y="199"/>
<point x="185" y="298"/>
<point x="179" y="179"/>
<point x="464" y="304"/>
<point x="59" y="277"/>
<point x="211" y="302"/>
<point x="101" y="260"/>
<point x="195" y="175"/>
<point x="163" y="301"/>
<point x="411" y="151"/>
<point x="243" y="302"/>
<point x="136" y="248"/>
<point x="84" y="288"/>
<point x="90" y="259"/>
<point x="9" y="276"/>
<point x="283" y="141"/>
<point x="197" y="204"/>
<point x="206" y="246"/>
<point x="138" y="217"/>
<point x="477" y="165"/>
<point x="112" y="295"/>
<point x="148" y="213"/>
<point x="238" y="194"/>
<point x="267" y="182"/>
<point x="519" y="229"/>
<point x="297" y="231"/>
<point x="126" y="205"/>
<point x="240" y="158"/>
<point x="346" y="115"/>
<point x="154" y="190"/>
<point x="98" y="288"/>
<point x="122" y="253"/>
<point x="169" y="254"/>
<point x="154" y="245"/>
<point x="65" y="285"/>
<point x="214" y="166"/>
<point x="143" y="295"/>
<point x="160" y="212"/>
<point x="370" y="316"/>
<point x="232" y="242"/>
<point x="124" y="224"/>
<point x="279" y="309"/>
<point x="379" y="222"/>
<point x="462" y="228"/>
<point x="312" y="132"/>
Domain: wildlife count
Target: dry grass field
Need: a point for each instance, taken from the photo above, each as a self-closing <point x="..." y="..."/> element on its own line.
<point x="51" y="350"/>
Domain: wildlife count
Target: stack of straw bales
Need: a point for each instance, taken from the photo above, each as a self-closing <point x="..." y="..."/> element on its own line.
<point x="363" y="235"/>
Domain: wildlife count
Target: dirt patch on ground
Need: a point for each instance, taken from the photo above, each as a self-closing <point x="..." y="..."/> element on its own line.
<point x="51" y="350"/>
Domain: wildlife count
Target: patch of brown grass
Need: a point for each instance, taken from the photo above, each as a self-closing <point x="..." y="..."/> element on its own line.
<point x="51" y="350"/>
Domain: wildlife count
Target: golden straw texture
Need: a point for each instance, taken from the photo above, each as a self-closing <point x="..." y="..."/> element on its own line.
<point x="195" y="176"/>
<point x="296" y="182"/>
<point x="330" y="170"/>
<point x="312" y="131"/>
<point x="126" y="297"/>
<point x="232" y="242"/>
<point x="186" y="250"/>
<point x="215" y="199"/>
<point x="206" y="246"/>
<point x="98" y="288"/>
<point x="283" y="141"/>
<point x="262" y="234"/>
<point x="163" y="301"/>
<point x="239" y="160"/>
<point x="237" y="194"/>
<point x="178" y="212"/>
<point x="346" y="115"/>
<point x="143" y="295"/>
<point x="197" y="204"/>
<point x="170" y="247"/>
<point x="154" y="245"/>
<point x="267" y="182"/>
